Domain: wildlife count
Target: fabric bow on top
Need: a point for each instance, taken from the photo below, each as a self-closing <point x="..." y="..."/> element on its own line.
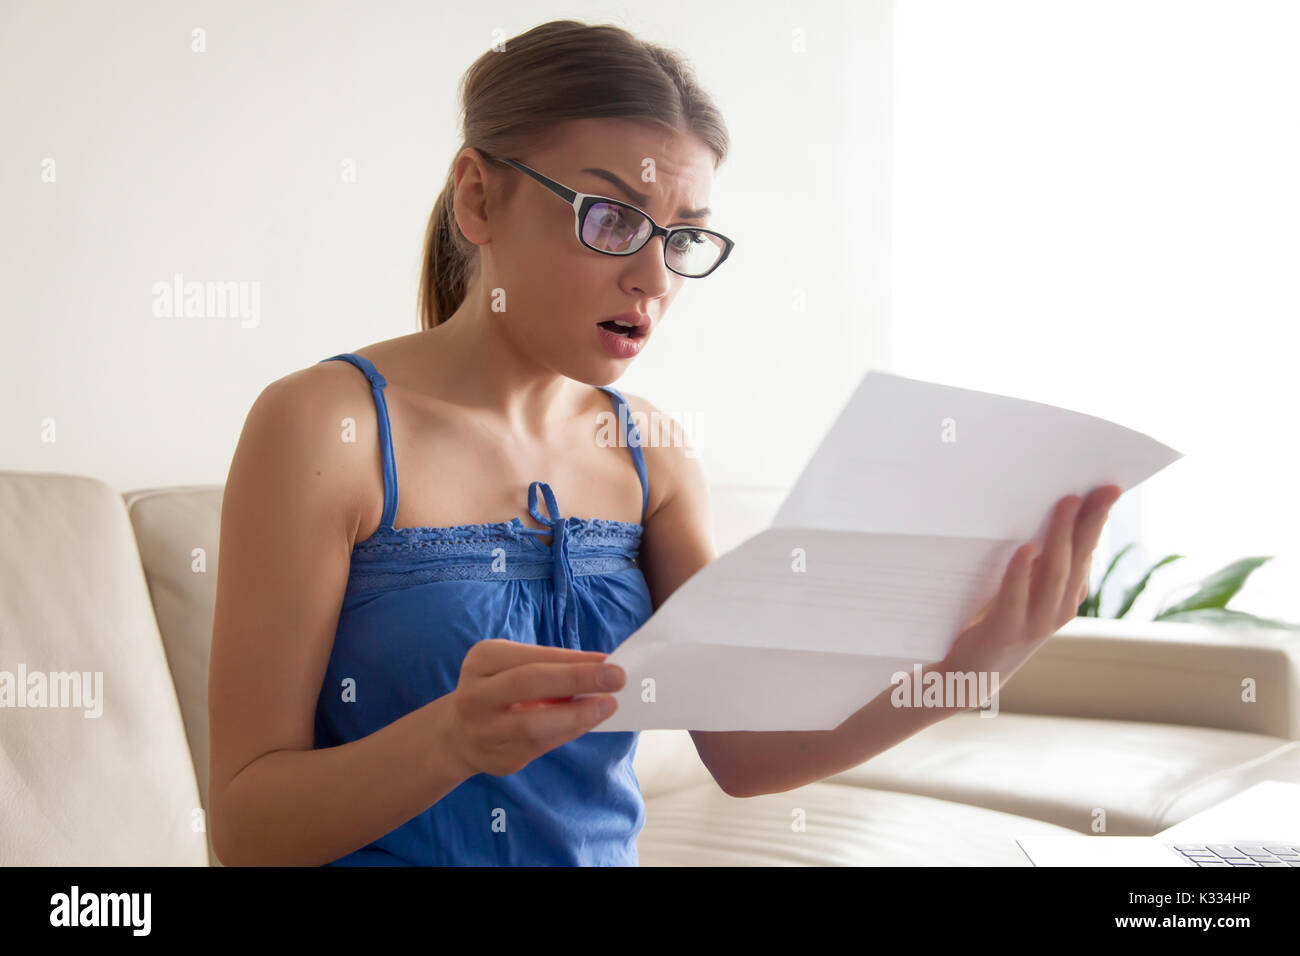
<point x="565" y="616"/>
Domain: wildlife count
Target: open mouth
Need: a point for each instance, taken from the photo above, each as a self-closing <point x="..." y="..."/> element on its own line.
<point x="628" y="330"/>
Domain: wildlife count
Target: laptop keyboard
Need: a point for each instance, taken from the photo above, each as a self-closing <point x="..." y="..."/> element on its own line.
<point x="1241" y="854"/>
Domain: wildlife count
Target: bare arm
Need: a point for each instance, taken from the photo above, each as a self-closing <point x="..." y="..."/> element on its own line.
<point x="288" y="523"/>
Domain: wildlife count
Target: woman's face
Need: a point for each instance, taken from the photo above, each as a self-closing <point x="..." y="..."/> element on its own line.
<point x="536" y="268"/>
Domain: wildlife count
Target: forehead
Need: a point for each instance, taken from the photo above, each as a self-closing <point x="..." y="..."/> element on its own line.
<point x="681" y="164"/>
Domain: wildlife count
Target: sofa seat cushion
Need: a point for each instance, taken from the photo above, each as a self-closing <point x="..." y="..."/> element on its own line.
<point x="1281" y="764"/>
<point x="1062" y="769"/>
<point x="843" y="825"/>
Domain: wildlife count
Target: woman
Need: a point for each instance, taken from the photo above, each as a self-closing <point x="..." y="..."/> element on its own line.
<point x="392" y="684"/>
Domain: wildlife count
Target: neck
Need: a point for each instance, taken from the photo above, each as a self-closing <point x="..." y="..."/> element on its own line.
<point x="479" y="364"/>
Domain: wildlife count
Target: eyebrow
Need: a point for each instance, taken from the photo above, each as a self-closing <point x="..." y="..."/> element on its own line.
<point x="640" y="198"/>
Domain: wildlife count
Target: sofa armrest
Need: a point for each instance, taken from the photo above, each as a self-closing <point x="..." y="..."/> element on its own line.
<point x="1162" y="672"/>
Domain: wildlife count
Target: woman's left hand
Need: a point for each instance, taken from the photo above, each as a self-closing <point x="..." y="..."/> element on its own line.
<point x="1039" y="594"/>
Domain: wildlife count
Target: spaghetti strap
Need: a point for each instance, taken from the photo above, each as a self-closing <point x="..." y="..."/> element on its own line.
<point x="628" y="433"/>
<point x="377" y="383"/>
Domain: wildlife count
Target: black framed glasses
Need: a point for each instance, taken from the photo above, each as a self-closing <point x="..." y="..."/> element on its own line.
<point x="617" y="228"/>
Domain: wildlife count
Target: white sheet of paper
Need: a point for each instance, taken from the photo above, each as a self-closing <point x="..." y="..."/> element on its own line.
<point x="896" y="533"/>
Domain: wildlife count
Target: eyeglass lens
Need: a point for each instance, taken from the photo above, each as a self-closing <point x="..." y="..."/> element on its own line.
<point x="619" y="230"/>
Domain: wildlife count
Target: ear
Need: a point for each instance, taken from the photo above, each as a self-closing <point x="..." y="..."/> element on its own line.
<point x="470" y="195"/>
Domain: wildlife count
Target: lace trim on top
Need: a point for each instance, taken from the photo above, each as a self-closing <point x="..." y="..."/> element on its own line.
<point x="364" y="582"/>
<point x="582" y="532"/>
<point x="404" y="557"/>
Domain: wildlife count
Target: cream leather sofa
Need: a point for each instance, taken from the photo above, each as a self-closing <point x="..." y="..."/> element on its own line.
<point x="1142" y="722"/>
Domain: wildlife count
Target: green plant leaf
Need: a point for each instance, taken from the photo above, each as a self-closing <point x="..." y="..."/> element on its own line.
<point x="1217" y="589"/>
<point x="1132" y="593"/>
<point x="1091" y="606"/>
<point x="1224" y="617"/>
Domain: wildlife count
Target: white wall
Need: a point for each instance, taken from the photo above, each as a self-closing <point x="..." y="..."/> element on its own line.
<point x="1096" y="207"/>
<point x="226" y="166"/>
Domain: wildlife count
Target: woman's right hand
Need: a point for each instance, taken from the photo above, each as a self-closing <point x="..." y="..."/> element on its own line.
<point x="512" y="703"/>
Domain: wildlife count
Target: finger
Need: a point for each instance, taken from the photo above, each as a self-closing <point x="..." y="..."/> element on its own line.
<point x="555" y="724"/>
<point x="979" y="615"/>
<point x="1048" y="586"/>
<point x="539" y="702"/>
<point x="1084" y="586"/>
<point x="537" y="681"/>
<point x="1087" y="531"/>
<point x="493" y="655"/>
<point x="1006" y="617"/>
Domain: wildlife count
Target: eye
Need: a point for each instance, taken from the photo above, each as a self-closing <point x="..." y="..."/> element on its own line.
<point x="683" y="241"/>
<point x="609" y="217"/>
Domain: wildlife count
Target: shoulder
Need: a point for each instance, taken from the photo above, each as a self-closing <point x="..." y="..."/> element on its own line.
<point x="307" y="398"/>
<point x="316" y="430"/>
<point x="672" y="460"/>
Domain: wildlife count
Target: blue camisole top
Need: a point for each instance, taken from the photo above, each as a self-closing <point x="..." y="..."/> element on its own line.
<point x="417" y="599"/>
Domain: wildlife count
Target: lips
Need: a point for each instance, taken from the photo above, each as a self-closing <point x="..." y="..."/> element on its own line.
<point x="633" y="325"/>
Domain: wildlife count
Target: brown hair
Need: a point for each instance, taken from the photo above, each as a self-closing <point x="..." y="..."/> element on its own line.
<point x="511" y="100"/>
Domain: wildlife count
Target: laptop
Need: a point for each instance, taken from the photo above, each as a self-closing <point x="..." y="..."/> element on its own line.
<point x="1258" y="827"/>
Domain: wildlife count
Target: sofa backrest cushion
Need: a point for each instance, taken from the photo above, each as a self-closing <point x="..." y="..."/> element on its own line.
<point x="177" y="530"/>
<point x="104" y="777"/>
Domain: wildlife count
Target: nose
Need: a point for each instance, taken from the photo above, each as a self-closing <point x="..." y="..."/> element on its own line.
<point x="648" y="271"/>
